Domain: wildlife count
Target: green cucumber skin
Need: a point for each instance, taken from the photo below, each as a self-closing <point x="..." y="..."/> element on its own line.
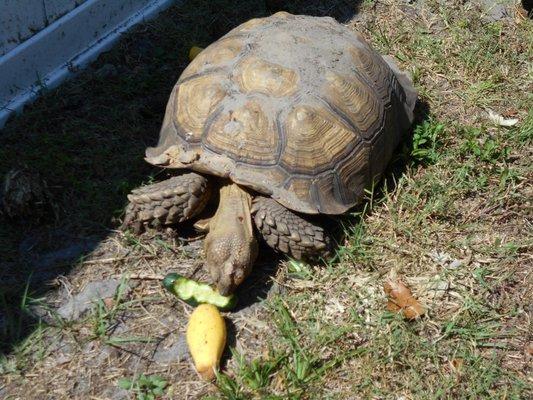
<point x="172" y="281"/>
<point x="169" y="279"/>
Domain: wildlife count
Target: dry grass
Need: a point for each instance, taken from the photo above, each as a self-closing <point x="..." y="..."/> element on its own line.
<point x="453" y="220"/>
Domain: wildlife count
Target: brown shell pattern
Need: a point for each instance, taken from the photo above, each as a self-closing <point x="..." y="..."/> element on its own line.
<point x="246" y="134"/>
<point x="196" y="99"/>
<point x="315" y="139"/>
<point x="299" y="108"/>
<point x="256" y="75"/>
<point x="357" y="100"/>
<point x="214" y="56"/>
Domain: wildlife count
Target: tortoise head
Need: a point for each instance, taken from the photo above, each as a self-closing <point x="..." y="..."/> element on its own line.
<point x="230" y="246"/>
<point x="229" y="275"/>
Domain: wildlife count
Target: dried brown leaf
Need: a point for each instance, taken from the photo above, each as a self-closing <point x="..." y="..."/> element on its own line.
<point x="457" y="364"/>
<point x="401" y="300"/>
<point x="109" y="302"/>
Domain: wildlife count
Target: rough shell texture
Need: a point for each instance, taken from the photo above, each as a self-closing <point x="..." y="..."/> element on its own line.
<point x="295" y="107"/>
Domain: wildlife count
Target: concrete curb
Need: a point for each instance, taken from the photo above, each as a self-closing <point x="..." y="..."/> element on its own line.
<point x="64" y="47"/>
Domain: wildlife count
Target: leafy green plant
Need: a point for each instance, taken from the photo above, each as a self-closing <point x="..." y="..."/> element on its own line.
<point x="299" y="269"/>
<point x="482" y="148"/>
<point x="426" y="140"/>
<point x="144" y="387"/>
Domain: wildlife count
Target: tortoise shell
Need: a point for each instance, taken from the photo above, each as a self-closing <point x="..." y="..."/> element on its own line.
<point x="295" y="107"/>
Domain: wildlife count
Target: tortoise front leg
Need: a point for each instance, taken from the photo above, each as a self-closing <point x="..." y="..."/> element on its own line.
<point x="167" y="202"/>
<point x="287" y="232"/>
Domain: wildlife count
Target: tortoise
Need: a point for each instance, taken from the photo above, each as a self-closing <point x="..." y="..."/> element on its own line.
<point x="285" y="117"/>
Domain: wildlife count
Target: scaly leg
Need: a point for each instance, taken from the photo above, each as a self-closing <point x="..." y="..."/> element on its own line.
<point x="287" y="232"/>
<point x="168" y="202"/>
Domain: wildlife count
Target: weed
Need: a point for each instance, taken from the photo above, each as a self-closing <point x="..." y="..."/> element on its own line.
<point x="104" y="317"/>
<point x="230" y="388"/>
<point x="481" y="147"/>
<point x="258" y="373"/>
<point x="144" y="387"/>
<point x="427" y="137"/>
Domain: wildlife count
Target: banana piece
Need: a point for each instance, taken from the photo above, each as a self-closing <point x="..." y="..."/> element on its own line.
<point x="206" y="338"/>
<point x="194" y="51"/>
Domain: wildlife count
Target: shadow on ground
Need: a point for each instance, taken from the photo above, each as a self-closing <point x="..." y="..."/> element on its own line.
<point x="87" y="139"/>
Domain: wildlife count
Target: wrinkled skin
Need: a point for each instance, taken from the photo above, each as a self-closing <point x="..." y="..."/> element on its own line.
<point x="230" y="246"/>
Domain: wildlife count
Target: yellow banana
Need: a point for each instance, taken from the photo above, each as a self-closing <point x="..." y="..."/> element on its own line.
<point x="206" y="338"/>
<point x="194" y="51"/>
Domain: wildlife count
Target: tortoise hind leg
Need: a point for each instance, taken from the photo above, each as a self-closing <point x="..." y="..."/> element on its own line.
<point x="287" y="232"/>
<point x="167" y="202"/>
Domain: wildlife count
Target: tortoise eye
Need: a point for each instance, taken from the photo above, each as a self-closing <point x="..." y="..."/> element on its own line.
<point x="239" y="275"/>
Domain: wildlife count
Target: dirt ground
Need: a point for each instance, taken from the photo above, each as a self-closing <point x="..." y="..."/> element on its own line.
<point x="82" y="302"/>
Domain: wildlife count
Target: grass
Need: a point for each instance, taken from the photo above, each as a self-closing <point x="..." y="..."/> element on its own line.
<point x="452" y="220"/>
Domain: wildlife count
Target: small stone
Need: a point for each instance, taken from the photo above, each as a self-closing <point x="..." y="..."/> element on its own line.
<point x="437" y="289"/>
<point x="440" y="257"/>
<point x="177" y="351"/>
<point x="83" y="301"/>
<point x="274" y="290"/>
<point x="63" y="359"/>
<point x="109" y="302"/>
<point x="455" y="264"/>
<point x="495" y="10"/>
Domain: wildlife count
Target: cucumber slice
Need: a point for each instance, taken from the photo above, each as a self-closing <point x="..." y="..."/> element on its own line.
<point x="195" y="293"/>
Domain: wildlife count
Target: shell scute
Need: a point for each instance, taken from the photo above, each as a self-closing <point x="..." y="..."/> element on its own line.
<point x="300" y="187"/>
<point x="376" y="70"/>
<point x="354" y="173"/>
<point x="316" y="139"/>
<point x="355" y="99"/>
<point x="215" y="56"/>
<point x="195" y="101"/>
<point x="256" y="75"/>
<point x="245" y="134"/>
<point x="250" y="25"/>
<point x="327" y="193"/>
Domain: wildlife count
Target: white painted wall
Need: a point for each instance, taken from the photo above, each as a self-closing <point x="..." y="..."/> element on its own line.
<point x="21" y="19"/>
<point x="42" y="42"/>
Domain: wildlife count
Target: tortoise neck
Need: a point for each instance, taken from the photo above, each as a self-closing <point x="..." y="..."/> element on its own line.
<point x="234" y="206"/>
<point x="230" y="246"/>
